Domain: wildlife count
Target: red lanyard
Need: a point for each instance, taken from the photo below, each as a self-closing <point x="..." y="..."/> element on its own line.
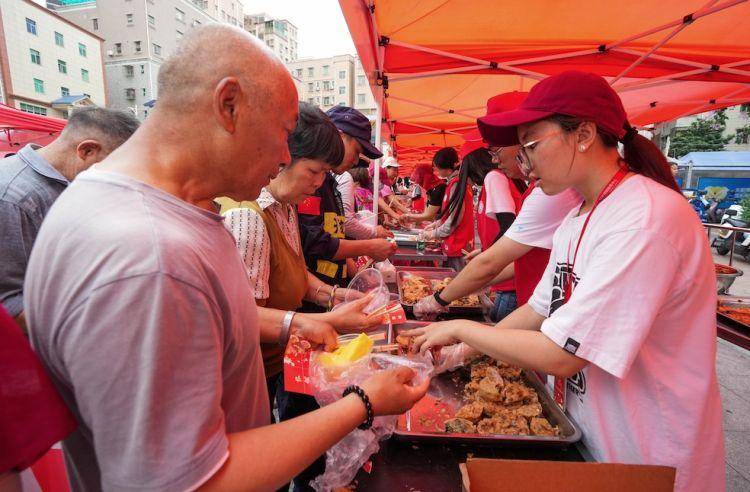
<point x="613" y="183"/>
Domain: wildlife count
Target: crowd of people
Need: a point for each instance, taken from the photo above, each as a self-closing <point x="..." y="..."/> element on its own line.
<point x="160" y="270"/>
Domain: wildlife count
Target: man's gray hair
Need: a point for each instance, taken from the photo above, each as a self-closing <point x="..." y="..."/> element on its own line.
<point x="113" y="125"/>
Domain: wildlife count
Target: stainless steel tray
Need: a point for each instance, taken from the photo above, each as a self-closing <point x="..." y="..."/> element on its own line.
<point x="424" y="422"/>
<point x="731" y="301"/>
<point x="439" y="274"/>
<point x="405" y="238"/>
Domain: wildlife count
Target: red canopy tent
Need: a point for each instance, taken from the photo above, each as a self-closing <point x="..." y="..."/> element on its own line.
<point x="432" y="64"/>
<point x="17" y="128"/>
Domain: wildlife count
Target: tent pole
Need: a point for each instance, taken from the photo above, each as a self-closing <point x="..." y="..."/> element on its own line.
<point x="376" y="164"/>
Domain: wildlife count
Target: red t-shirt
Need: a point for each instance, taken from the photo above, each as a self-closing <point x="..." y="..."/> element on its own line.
<point x="498" y="195"/>
<point x="462" y="236"/>
<point x="32" y="415"/>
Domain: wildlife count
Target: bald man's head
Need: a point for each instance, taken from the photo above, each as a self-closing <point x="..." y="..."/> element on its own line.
<point x="237" y="96"/>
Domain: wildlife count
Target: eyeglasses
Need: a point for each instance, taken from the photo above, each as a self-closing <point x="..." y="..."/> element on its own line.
<point x="524" y="162"/>
<point x="495" y="153"/>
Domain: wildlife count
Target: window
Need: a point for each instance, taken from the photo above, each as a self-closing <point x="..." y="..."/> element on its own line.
<point x="151" y="21"/>
<point x="82" y="49"/>
<point x="64" y="91"/>
<point x="326" y="85"/>
<point x="129" y="19"/>
<point x="298" y="73"/>
<point x="118" y="48"/>
<point x="59" y="41"/>
<point x="130" y="94"/>
<point x="30" y="108"/>
<point x="137" y="45"/>
<point x="317" y="86"/>
<point x="36" y="58"/>
<point x="360" y="80"/>
<point x="342" y="90"/>
<point x="310" y="86"/>
<point x="179" y="34"/>
<point x="95" y="22"/>
<point x="30" y="26"/>
<point x="144" y="92"/>
<point x="325" y="69"/>
<point x="196" y="23"/>
<point x="143" y="69"/>
<point x="311" y="71"/>
<point x="84" y="75"/>
<point x="342" y="74"/>
<point x="129" y="72"/>
<point x="310" y="100"/>
<point x="157" y="49"/>
<point x="360" y="98"/>
<point x="179" y="15"/>
<point x="326" y="101"/>
<point x="39" y="86"/>
<point x="62" y="67"/>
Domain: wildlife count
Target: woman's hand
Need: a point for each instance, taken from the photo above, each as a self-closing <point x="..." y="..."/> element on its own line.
<point x="351" y="317"/>
<point x="406" y="219"/>
<point x="316" y="331"/>
<point x="431" y="226"/>
<point x="382" y="232"/>
<point x="434" y="336"/>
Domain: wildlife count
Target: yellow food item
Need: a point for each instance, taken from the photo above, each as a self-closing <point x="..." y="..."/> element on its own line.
<point x="349" y="352"/>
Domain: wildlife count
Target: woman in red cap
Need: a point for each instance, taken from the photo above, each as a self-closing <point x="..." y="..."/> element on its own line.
<point x="625" y="315"/>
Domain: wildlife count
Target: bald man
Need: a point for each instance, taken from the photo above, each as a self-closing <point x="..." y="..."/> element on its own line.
<point x="140" y="308"/>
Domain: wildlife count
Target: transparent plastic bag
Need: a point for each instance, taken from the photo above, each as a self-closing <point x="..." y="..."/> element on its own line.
<point x="454" y="356"/>
<point x="344" y="459"/>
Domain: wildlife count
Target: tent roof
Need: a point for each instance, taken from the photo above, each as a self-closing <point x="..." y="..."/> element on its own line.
<point x="73" y="98"/>
<point x="725" y="160"/>
<point x="17" y="128"/>
<point x="433" y="64"/>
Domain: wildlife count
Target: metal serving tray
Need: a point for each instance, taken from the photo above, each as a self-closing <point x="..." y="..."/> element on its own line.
<point x="439" y="274"/>
<point x="425" y="422"/>
<point x="405" y="238"/>
<point x="731" y="301"/>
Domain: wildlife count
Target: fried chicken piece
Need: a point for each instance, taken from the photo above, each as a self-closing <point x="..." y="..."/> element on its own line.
<point x="460" y="426"/>
<point x="470" y="390"/>
<point x="486" y="426"/>
<point x="516" y="392"/>
<point x="489" y="389"/>
<point x="517" y="426"/>
<point x="530" y="410"/>
<point x="541" y="427"/>
<point x="479" y="370"/>
<point x="404" y="342"/>
<point x="507" y="371"/>
<point x="504" y="424"/>
<point x="472" y="411"/>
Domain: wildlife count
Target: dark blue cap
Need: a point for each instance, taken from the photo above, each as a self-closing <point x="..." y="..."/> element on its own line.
<point x="355" y="124"/>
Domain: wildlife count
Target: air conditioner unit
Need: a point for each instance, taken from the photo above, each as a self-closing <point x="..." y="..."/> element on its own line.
<point x="110" y="53"/>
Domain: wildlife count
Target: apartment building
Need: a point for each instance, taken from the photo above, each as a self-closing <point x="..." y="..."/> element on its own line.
<point x="278" y="34"/>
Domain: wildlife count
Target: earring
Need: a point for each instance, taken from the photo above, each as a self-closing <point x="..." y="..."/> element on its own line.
<point x="582" y="148"/>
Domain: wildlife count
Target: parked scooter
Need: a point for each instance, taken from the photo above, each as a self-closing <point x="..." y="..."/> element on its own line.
<point x="723" y="241"/>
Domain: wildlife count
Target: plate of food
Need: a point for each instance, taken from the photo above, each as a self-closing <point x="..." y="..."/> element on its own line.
<point x="415" y="284"/>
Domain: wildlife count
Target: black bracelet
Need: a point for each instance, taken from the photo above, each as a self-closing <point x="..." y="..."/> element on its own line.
<point x="440" y="300"/>
<point x="363" y="396"/>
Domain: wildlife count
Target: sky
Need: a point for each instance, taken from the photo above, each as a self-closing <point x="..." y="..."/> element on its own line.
<point x="321" y="29"/>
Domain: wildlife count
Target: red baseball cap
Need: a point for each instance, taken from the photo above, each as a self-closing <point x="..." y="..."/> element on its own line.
<point x="580" y="94"/>
<point x="500" y="103"/>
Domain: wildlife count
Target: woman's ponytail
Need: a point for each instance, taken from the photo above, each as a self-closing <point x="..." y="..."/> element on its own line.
<point x="644" y="157"/>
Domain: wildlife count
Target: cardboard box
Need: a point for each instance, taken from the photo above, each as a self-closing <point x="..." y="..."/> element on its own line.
<point x="488" y="475"/>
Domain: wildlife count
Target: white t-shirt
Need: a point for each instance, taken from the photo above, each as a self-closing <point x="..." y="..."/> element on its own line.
<point x="540" y="216"/>
<point x="643" y="314"/>
<point x="499" y="199"/>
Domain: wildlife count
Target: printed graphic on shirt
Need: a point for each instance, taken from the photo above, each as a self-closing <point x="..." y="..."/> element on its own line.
<point x="333" y="224"/>
<point x="563" y="274"/>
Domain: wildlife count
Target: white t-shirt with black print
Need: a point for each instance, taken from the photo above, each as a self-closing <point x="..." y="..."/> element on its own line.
<point x="643" y="314"/>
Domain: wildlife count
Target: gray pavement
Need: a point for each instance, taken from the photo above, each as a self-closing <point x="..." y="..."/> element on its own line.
<point x="733" y="369"/>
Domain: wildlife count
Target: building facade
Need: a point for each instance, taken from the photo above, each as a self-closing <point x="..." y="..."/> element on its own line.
<point x="278" y="34"/>
<point x="339" y="80"/>
<point x="48" y="65"/>
<point x="138" y="37"/>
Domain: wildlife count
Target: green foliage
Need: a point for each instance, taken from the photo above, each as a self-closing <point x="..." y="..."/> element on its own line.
<point x="745" y="204"/>
<point x="742" y="135"/>
<point x="703" y="135"/>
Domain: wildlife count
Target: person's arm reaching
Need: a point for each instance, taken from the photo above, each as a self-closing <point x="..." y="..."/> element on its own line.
<point x="429" y="214"/>
<point x="267" y="457"/>
<point x="377" y="249"/>
<point x="477" y="274"/>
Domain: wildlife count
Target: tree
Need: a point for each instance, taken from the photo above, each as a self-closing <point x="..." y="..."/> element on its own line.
<point x="703" y="134"/>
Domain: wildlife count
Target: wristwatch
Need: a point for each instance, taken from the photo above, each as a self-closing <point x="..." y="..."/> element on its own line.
<point x="440" y="300"/>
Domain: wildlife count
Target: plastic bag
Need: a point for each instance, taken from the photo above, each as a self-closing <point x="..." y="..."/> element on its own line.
<point x="454" y="356"/>
<point x="344" y="459"/>
<point x="369" y="281"/>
